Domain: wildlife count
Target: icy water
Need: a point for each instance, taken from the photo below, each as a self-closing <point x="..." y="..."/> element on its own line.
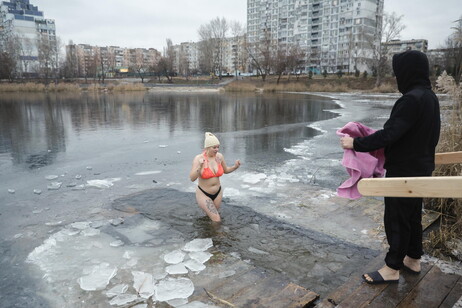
<point x="75" y="172"/>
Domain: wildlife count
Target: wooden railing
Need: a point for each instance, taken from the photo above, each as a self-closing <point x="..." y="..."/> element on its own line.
<point x="431" y="187"/>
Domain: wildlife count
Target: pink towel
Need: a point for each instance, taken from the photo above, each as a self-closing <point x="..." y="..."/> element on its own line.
<point x="358" y="164"/>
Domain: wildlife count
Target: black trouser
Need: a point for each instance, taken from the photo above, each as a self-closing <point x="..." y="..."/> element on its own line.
<point x="403" y="227"/>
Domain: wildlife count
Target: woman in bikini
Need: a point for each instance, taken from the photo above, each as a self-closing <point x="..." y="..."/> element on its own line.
<point x="208" y="167"/>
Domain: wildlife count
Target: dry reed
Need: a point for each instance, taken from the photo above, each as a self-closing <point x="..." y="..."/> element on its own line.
<point x="447" y="240"/>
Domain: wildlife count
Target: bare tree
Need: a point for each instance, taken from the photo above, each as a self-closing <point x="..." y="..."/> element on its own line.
<point x="389" y="27"/>
<point x="260" y="55"/>
<point x="70" y="69"/>
<point x="213" y="40"/>
<point x="238" y="47"/>
<point x="46" y="53"/>
<point x="295" y="59"/>
<point x="454" y="52"/>
<point x="164" y="67"/>
<point x="9" y="57"/>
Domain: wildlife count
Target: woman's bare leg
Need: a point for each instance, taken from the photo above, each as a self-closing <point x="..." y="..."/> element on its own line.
<point x="208" y="206"/>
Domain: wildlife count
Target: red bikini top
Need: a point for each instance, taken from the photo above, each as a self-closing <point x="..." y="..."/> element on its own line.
<point x="208" y="173"/>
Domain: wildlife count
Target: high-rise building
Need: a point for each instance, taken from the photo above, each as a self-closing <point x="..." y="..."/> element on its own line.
<point x="22" y="23"/>
<point x="335" y="35"/>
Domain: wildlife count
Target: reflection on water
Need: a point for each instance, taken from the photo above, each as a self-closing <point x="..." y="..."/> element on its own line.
<point x="35" y="127"/>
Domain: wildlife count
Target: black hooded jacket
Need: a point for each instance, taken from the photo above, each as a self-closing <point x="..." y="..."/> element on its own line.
<point x="412" y="132"/>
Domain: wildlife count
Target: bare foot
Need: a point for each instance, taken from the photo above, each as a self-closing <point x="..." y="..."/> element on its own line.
<point x="412" y="264"/>
<point x="386" y="272"/>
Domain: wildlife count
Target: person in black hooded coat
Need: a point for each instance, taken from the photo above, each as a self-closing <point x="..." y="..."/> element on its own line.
<point x="409" y="138"/>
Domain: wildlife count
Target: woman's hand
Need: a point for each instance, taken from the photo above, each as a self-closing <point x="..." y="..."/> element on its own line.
<point x="237" y="164"/>
<point x="346" y="142"/>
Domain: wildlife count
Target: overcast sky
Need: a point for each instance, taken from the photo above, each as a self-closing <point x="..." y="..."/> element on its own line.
<point x="148" y="23"/>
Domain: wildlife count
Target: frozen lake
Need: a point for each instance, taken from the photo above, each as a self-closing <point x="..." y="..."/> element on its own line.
<point x="95" y="195"/>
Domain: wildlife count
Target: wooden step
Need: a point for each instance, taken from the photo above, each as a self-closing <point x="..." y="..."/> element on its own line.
<point x="431" y="288"/>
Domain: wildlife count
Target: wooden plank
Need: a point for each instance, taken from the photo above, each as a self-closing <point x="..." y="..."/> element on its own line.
<point x="253" y="297"/>
<point x="292" y="296"/>
<point x="448" y="158"/>
<point x="454" y="296"/>
<point x="356" y="282"/>
<point x="430" y="291"/>
<point x="434" y="187"/>
<point x="394" y="294"/>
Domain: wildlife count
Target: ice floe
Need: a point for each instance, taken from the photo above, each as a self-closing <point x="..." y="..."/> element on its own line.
<point x="98" y="278"/>
<point x="148" y="172"/>
<point x="119" y="265"/>
<point x="199" y="244"/>
<point x="171" y="288"/>
<point x="174" y="257"/>
<point x="106" y="183"/>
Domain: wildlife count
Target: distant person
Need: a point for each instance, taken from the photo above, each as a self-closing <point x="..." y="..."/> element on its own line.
<point x="208" y="167"/>
<point x="409" y="138"/>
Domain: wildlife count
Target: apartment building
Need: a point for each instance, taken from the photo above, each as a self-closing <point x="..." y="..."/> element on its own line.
<point x="23" y="24"/>
<point x="397" y="46"/>
<point x="93" y="61"/>
<point x="333" y="34"/>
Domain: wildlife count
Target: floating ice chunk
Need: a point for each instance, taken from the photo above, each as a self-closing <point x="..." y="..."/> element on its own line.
<point x="226" y="274"/>
<point x="197" y="304"/>
<point x="16" y="236"/>
<point x="178" y="302"/>
<point x="106" y="183"/>
<point x="72" y="184"/>
<point x="116" y="243"/>
<point x="178" y="152"/>
<point x="79" y="187"/>
<point x="364" y="231"/>
<point x="116" y="221"/>
<point x="159" y="273"/>
<point x="54" y="223"/>
<point x="89" y="168"/>
<point x="117" y="290"/>
<point x="37" y="191"/>
<point x="80" y="225"/>
<point x="143" y="284"/>
<point x="148" y="172"/>
<point x="90" y="232"/>
<point x="198" y="244"/>
<point x="123" y="299"/>
<point x="54" y="185"/>
<point x="200" y="256"/>
<point x="99" y="277"/>
<point x="130" y="263"/>
<point x="172" y="288"/>
<point x="257" y="251"/>
<point x="140" y="306"/>
<point x="253" y="178"/>
<point x="78" y="177"/>
<point x="51" y="177"/>
<point x="163" y="145"/>
<point x="194" y="265"/>
<point x="37" y="211"/>
<point x="176" y="269"/>
<point x="128" y="254"/>
<point x="11" y="191"/>
<point x="97" y="224"/>
<point x="174" y="257"/>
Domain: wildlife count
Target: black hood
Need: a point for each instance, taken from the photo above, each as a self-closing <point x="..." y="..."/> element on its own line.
<point x="411" y="69"/>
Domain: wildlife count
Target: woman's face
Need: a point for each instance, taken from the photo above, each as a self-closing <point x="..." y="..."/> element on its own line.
<point x="214" y="149"/>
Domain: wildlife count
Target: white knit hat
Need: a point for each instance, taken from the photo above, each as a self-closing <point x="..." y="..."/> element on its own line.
<point x="210" y="140"/>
